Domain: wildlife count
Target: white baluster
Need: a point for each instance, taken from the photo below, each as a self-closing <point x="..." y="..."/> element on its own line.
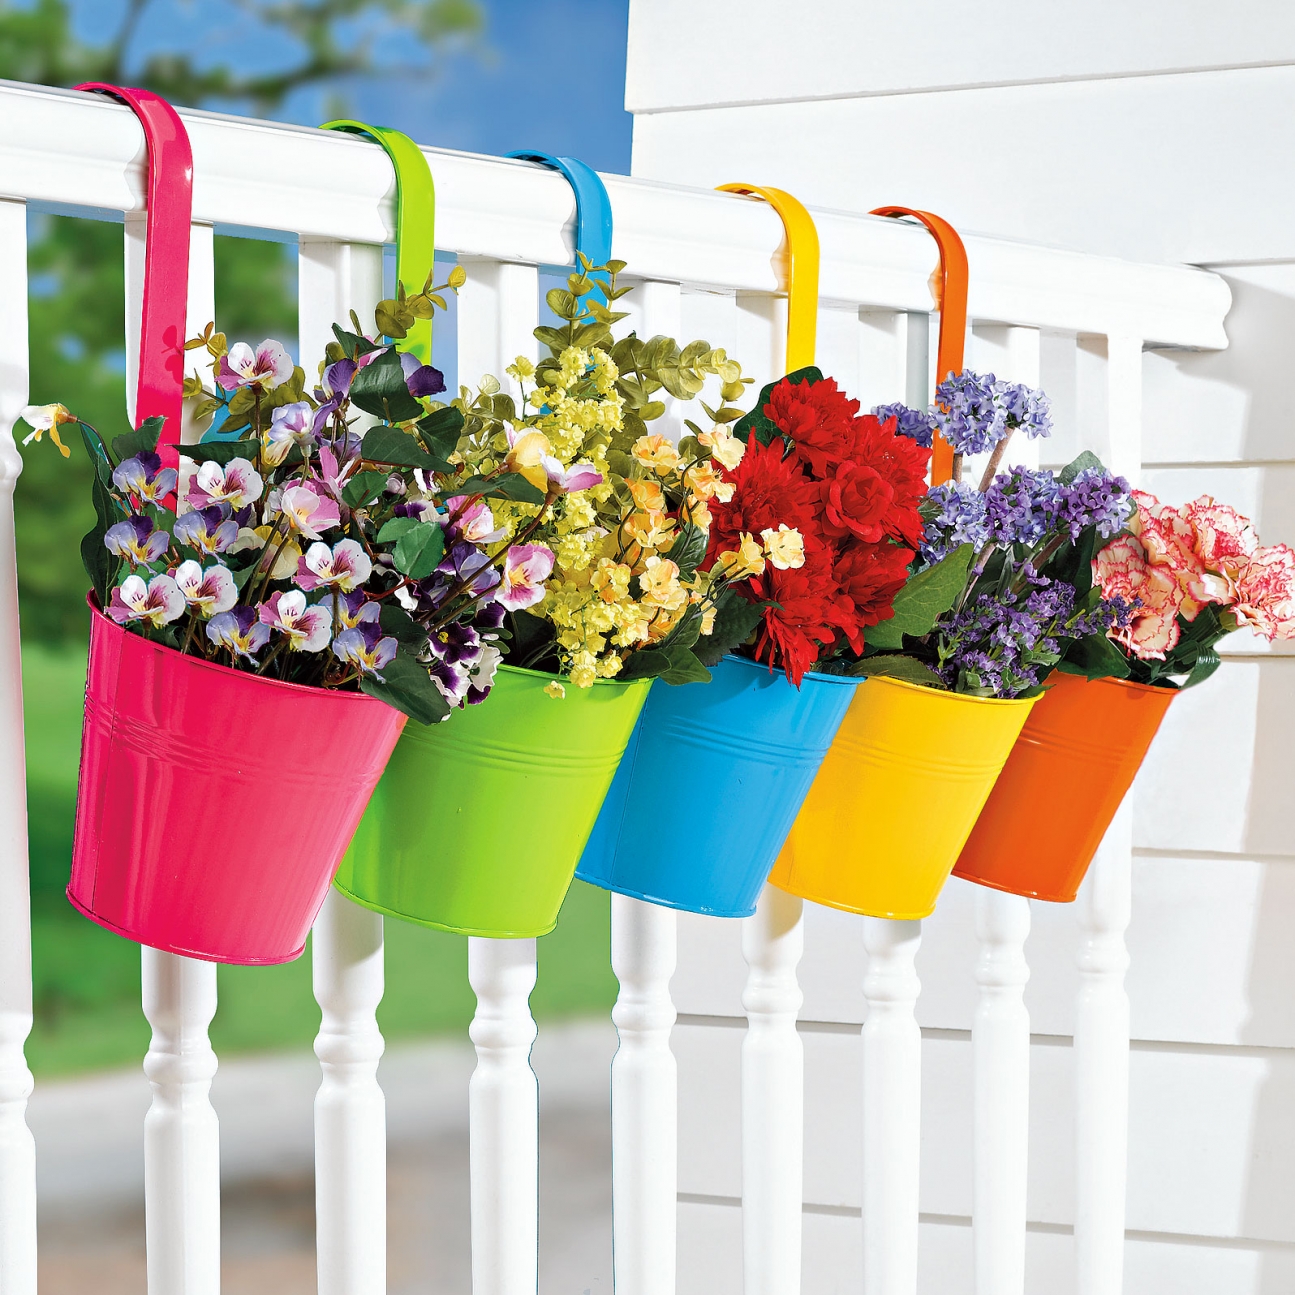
<point x="332" y="279"/>
<point x="200" y="311"/>
<point x="645" y="1099"/>
<point x="181" y="1134"/>
<point x="1000" y="1038"/>
<point x="503" y="1104"/>
<point x="498" y="307"/>
<point x="350" y="1111"/>
<point x="17" y="1149"/>
<point x="1102" y="1062"/>
<point x="892" y="1107"/>
<point x="773" y="1097"/>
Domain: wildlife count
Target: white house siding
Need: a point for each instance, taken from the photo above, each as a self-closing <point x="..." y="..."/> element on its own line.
<point x="1158" y="131"/>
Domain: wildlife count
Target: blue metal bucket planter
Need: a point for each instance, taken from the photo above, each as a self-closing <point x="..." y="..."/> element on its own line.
<point x="746" y="746"/>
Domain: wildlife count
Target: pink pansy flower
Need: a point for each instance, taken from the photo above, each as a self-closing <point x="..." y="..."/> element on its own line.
<point x="346" y="566"/>
<point x="306" y="509"/>
<point x="526" y="568"/>
<point x="1121" y="570"/>
<point x="136" y="540"/>
<point x="476" y="523"/>
<point x="1265" y="593"/>
<point x="237" y="484"/>
<point x="579" y="476"/>
<point x="332" y="475"/>
<point x="308" y="629"/>
<point x="365" y="648"/>
<point x="290" y="425"/>
<point x="1169" y="541"/>
<point x="207" y="592"/>
<point x="264" y="368"/>
<point x="159" y="602"/>
<point x="240" y="631"/>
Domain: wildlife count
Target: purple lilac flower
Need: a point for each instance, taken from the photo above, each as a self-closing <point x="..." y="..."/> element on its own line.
<point x="1021" y="505"/>
<point x="968" y="414"/>
<point x="332" y="394"/>
<point x="955" y="515"/>
<point x="145" y="477"/>
<point x="916" y="424"/>
<point x="137" y="540"/>
<point x="240" y="631"/>
<point x="1094" y="498"/>
<point x="364" y="647"/>
<point x="209" y="530"/>
<point x="1026" y="408"/>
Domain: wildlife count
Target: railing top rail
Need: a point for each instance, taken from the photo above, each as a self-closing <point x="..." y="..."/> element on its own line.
<point x="70" y="149"/>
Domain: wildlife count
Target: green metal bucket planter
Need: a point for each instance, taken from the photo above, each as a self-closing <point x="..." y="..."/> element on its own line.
<point x="478" y="823"/>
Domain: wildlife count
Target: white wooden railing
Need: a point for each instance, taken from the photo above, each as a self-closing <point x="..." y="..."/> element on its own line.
<point x="708" y="266"/>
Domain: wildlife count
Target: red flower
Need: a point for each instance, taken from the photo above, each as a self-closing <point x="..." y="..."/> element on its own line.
<point x="816" y="418"/>
<point x="811" y="613"/>
<point x="771" y="491"/>
<point x="902" y="464"/>
<point x="856" y="501"/>
<point x="870" y="575"/>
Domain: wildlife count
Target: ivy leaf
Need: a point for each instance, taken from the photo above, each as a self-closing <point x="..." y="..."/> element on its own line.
<point x="408" y="687"/>
<point x="221" y="451"/>
<point x="684" y="667"/>
<point x="922" y="601"/>
<point x="688" y="549"/>
<point x="141" y="441"/>
<point x="384" y="444"/>
<point x="895" y="666"/>
<point x="363" y="488"/>
<point x="419" y="550"/>
<point x="735" y="621"/>
<point x="379" y="388"/>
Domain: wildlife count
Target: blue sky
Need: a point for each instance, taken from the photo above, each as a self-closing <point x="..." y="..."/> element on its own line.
<point x="508" y="93"/>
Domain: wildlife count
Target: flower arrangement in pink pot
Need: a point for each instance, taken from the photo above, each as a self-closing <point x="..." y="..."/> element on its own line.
<point x="1190" y="576"/>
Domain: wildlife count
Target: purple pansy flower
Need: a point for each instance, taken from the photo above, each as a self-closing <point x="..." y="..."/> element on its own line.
<point x="335" y="388"/>
<point x="455" y="643"/>
<point x="307" y="628"/>
<point x="421" y="379"/>
<point x="356" y="608"/>
<point x="209" y="530"/>
<point x="290" y="425"/>
<point x="207" y="592"/>
<point x="137" y="540"/>
<point x="159" y="602"/>
<point x="364" y="647"/>
<point x="239" y="630"/>
<point x="481" y="676"/>
<point x="145" y="477"/>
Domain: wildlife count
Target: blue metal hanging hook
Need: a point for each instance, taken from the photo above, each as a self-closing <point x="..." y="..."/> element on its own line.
<point x="593" y="206"/>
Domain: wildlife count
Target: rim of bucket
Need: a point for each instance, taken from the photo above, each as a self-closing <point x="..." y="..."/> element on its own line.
<point x="815" y="676"/>
<point x="851" y="908"/>
<point x="951" y="696"/>
<point x="566" y="679"/>
<point x="198" y="661"/>
<point x="490" y="933"/>
<point x="1121" y="683"/>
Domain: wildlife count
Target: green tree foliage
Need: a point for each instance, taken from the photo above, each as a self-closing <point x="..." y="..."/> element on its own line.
<point x="77" y="329"/>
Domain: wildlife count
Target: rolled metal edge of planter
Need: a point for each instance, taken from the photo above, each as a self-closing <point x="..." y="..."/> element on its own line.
<point x="897" y="797"/>
<point x="713" y="733"/>
<point x="152" y="856"/>
<point x="502" y="879"/>
<point x="1041" y="827"/>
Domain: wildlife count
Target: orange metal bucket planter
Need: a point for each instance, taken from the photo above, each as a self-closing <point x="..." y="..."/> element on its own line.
<point x="897" y="797"/>
<point x="1068" y="772"/>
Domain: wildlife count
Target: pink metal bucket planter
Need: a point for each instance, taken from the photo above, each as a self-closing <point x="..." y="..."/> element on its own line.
<point x="178" y="843"/>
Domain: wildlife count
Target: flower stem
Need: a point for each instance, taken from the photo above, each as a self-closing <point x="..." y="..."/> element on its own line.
<point x="991" y="468"/>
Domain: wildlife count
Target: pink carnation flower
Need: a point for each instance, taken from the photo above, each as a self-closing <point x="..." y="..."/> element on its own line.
<point x="1225" y="541"/>
<point x="1169" y="541"/>
<point x="1265" y="593"/>
<point x="1122" y="570"/>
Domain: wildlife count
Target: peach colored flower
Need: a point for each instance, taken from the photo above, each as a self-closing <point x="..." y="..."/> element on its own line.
<point x="647" y="495"/>
<point x="1122" y="570"/>
<point x="1265" y="593"/>
<point x="657" y="453"/>
<point x="652" y="530"/>
<point x="706" y="483"/>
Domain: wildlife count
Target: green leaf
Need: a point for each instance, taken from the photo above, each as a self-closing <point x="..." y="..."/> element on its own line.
<point x="352" y="343"/>
<point x="892" y="666"/>
<point x="688" y="549"/>
<point x="755" y="423"/>
<point x="1083" y="463"/>
<point x="1095" y="657"/>
<point x="684" y="667"/>
<point x="379" y="388"/>
<point x="141" y="441"/>
<point x="363" y="488"/>
<point x="510" y="485"/>
<point x="101" y="566"/>
<point x="98" y="453"/>
<point x="419" y="550"/>
<point x="735" y="621"/>
<point x="408" y="687"/>
<point x="441" y="430"/>
<point x="221" y="451"/>
<point x="923" y="600"/>
<point x="1207" y="661"/>
<point x="396" y="527"/>
<point x="383" y="444"/>
<point x="686" y="632"/>
<point x="647" y="663"/>
<point x="396" y="621"/>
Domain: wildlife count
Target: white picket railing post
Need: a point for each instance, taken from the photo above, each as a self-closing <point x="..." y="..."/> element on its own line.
<point x="1000" y="1036"/>
<point x="1102" y="1062"/>
<point x="892" y="1107"/>
<point x="773" y="1097"/>
<point x="350" y="1111"/>
<point x="181" y="1133"/>
<point x="17" y="1148"/>
<point x="645" y="1099"/>
<point x="503" y="1106"/>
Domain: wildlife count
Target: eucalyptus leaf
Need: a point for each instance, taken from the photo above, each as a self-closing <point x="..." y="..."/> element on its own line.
<point x="408" y="687"/>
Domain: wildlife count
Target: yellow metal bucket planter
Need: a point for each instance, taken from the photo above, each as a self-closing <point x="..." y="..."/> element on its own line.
<point x="897" y="797"/>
